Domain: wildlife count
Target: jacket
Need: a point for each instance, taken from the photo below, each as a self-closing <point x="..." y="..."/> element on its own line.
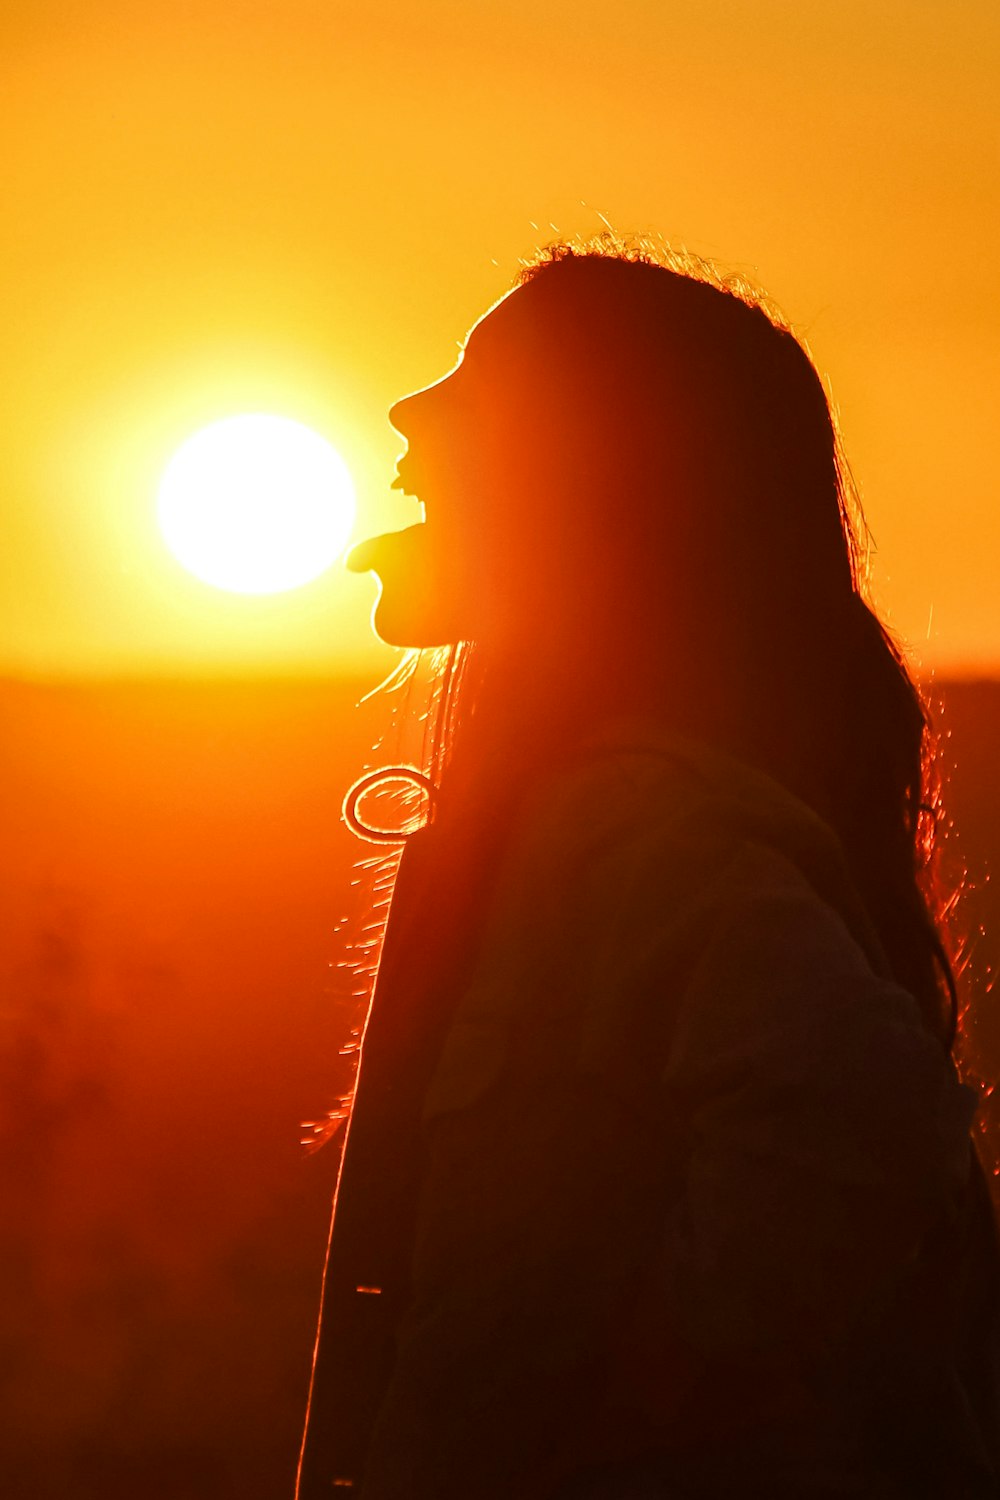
<point x="663" y="1189"/>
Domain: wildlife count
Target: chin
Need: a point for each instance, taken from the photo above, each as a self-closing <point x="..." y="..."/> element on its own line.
<point x="413" y="625"/>
<point x="420" y="601"/>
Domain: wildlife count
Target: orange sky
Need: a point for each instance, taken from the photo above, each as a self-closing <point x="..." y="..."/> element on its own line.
<point x="218" y="205"/>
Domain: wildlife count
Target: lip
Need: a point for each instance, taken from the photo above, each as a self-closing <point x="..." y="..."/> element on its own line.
<point x="404" y="480"/>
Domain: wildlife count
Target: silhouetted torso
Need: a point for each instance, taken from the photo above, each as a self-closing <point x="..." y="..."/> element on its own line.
<point x="655" y="1183"/>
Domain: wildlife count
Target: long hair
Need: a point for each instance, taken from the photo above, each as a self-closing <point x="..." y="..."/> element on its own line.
<point x="739" y="534"/>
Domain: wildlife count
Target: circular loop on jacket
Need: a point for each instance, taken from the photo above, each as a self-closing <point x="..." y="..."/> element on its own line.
<point x="366" y="784"/>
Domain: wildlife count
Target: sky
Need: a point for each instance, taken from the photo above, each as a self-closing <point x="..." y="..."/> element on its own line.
<point x="228" y="206"/>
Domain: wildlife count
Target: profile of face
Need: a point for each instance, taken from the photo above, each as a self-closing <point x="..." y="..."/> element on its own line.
<point x="621" y="451"/>
<point x="482" y="460"/>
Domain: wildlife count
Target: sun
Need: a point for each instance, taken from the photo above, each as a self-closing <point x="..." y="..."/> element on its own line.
<point x="256" y="504"/>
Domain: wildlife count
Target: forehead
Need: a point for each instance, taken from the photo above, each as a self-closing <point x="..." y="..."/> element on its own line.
<point x="510" y="331"/>
<point x="538" y="339"/>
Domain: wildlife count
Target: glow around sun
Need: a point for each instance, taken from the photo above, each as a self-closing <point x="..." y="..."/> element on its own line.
<point x="256" y="504"/>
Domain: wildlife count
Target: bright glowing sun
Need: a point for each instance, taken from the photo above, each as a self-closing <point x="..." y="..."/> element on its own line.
<point x="256" y="504"/>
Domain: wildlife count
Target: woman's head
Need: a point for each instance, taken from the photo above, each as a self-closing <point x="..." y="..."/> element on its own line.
<point x="625" y="455"/>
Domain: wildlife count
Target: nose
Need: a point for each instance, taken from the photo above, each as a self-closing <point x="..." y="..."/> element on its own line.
<point x="425" y="409"/>
<point x="412" y="413"/>
<point x="398" y="415"/>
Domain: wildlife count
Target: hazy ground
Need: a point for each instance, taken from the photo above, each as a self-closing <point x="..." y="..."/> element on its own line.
<point x="174" y="870"/>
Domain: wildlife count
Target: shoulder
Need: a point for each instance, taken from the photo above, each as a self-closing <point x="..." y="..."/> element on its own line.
<point x="683" y="929"/>
<point x="625" y="867"/>
<point x="646" y="850"/>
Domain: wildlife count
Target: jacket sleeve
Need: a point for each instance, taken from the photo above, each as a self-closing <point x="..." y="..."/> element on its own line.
<point x="827" y="1133"/>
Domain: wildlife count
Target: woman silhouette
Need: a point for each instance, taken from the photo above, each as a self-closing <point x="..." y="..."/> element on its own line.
<point x="659" y="1180"/>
